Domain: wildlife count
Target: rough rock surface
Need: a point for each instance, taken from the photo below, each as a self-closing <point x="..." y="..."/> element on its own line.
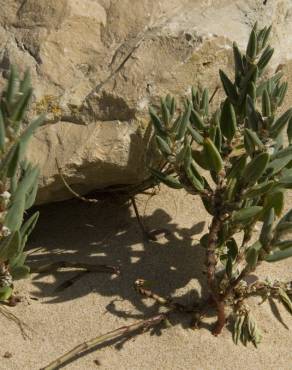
<point x="97" y="64"/>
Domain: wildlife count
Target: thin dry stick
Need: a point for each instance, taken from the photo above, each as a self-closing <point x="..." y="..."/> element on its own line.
<point x="120" y="332"/>
<point x="146" y="292"/>
<point x="139" y="220"/>
<point x="214" y="93"/>
<point x="153" y="235"/>
<point x="151" y="195"/>
<point x="10" y="316"/>
<point x="91" y="200"/>
<point x="88" y="200"/>
<point x="129" y="190"/>
<point x="84" y="266"/>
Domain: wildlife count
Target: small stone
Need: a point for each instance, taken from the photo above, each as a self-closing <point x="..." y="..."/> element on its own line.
<point x="7" y="354"/>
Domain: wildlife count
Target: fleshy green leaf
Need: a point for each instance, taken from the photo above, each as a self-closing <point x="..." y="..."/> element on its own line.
<point x="2" y="132"/>
<point x="237" y="167"/>
<point x="246" y="214"/>
<point x="265" y="58"/>
<point x="280" y="123"/>
<point x="12" y="85"/>
<point x="277" y="165"/>
<point x="267" y="228"/>
<point x="156" y="121"/>
<point x="205" y="102"/>
<point x="259" y="190"/>
<point x="20" y="272"/>
<point x="228" y="123"/>
<point x="10" y="246"/>
<point x="5" y="293"/>
<point x="228" y="86"/>
<point x="285" y="299"/>
<point x="212" y="156"/>
<point x="197" y="120"/>
<point x="195" y="135"/>
<point x="251" y="50"/>
<point x="266" y="104"/>
<point x="184" y="123"/>
<point x="279" y="255"/>
<point x="168" y="180"/>
<point x="274" y="200"/>
<point x="232" y="249"/>
<point x="289" y="131"/>
<point x="14" y="217"/>
<point x="165" y="113"/>
<point x="239" y="70"/>
<point x="255" y="168"/>
<point x="163" y="146"/>
<point x="252" y="255"/>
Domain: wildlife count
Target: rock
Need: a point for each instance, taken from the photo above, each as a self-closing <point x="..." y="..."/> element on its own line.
<point x="86" y="153"/>
<point x="96" y="66"/>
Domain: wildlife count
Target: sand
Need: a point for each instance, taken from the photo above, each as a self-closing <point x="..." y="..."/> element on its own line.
<point x="97" y="303"/>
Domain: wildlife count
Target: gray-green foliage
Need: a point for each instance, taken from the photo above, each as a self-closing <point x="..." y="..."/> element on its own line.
<point x="238" y="162"/>
<point x="18" y="180"/>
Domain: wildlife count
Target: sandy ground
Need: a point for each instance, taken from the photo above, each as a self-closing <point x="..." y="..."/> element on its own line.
<point x="97" y="303"/>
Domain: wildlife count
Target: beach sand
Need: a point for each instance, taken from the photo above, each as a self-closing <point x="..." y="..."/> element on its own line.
<point x="108" y="233"/>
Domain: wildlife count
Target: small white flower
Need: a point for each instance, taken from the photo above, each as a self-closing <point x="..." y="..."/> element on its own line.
<point x="5" y="231"/>
<point x="6" y="195"/>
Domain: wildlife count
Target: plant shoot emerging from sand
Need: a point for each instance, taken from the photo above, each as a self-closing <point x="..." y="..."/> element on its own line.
<point x="18" y="182"/>
<point x="237" y="161"/>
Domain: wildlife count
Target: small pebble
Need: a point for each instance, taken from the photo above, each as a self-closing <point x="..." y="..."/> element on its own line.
<point x="7" y="354"/>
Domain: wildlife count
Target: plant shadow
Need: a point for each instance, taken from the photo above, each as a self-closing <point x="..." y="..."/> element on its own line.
<point x="108" y="233"/>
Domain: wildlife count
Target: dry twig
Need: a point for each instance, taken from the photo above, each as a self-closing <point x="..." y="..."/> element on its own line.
<point x="10" y="316"/>
<point x="115" y="334"/>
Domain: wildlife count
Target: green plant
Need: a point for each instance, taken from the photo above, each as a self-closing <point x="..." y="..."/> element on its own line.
<point x="18" y="181"/>
<point x="237" y="161"/>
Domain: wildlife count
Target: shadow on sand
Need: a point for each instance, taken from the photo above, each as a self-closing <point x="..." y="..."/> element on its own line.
<point x="108" y="233"/>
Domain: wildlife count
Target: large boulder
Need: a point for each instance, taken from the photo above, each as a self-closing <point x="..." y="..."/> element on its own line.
<point x="97" y="65"/>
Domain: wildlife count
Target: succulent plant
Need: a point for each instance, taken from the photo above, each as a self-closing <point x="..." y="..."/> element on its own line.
<point x="18" y="181"/>
<point x="237" y="160"/>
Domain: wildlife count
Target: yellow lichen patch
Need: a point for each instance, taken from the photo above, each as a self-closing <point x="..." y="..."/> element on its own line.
<point x="49" y="104"/>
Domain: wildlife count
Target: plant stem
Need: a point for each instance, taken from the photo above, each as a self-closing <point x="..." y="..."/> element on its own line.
<point x="233" y="284"/>
<point x="167" y="302"/>
<point x="211" y="257"/>
<point x="139" y="220"/>
<point x="211" y="262"/>
<point x="122" y="331"/>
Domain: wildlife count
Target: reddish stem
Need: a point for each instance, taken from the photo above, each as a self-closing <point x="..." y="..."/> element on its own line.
<point x="221" y="319"/>
<point x="211" y="269"/>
